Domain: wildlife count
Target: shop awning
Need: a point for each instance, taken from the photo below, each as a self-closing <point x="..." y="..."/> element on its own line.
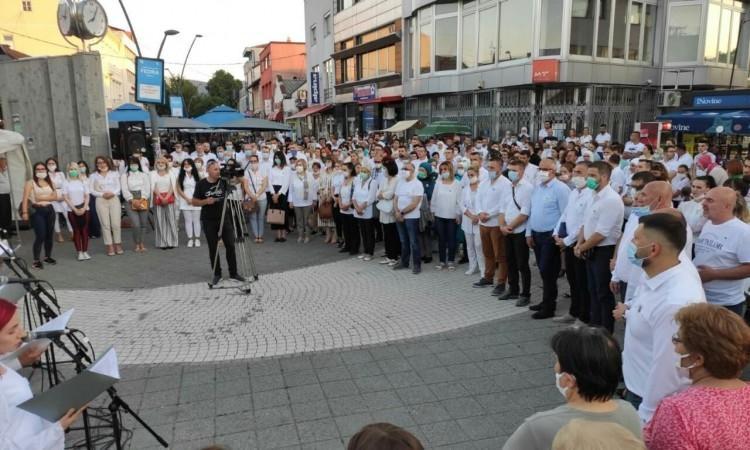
<point x="692" y="120"/>
<point x="404" y="125"/>
<point x="310" y="110"/>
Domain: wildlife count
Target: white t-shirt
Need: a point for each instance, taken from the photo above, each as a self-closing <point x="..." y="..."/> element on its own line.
<point x="601" y="139"/>
<point x="405" y="193"/>
<point x="633" y="147"/>
<point x="722" y="247"/>
<point x="77" y="190"/>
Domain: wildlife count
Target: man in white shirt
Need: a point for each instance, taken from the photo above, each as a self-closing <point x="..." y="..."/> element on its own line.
<point x="566" y="236"/>
<point x="596" y="241"/>
<point x="618" y="179"/>
<point x="514" y="212"/>
<point x="572" y="136"/>
<point x="545" y="132"/>
<point x="634" y="147"/>
<point x="683" y="157"/>
<point x="529" y="169"/>
<point x="602" y="139"/>
<point x="178" y="155"/>
<point x="406" y="202"/>
<point x="492" y="192"/>
<point x="722" y="251"/>
<point x="649" y="358"/>
<point x="585" y="137"/>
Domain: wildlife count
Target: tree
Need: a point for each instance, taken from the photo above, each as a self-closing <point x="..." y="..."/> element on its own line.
<point x="224" y="87"/>
<point x="189" y="95"/>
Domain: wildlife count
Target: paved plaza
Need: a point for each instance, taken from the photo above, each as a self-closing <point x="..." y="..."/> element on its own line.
<point x="323" y="345"/>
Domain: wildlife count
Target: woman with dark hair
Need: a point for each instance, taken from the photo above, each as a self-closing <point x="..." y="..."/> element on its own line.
<point x="587" y="369"/>
<point x="659" y="171"/>
<point x="105" y="185"/>
<point x="136" y="190"/>
<point x="95" y="229"/>
<point x="349" y="225"/>
<point x="278" y="178"/>
<point x="386" y="191"/>
<point x="383" y="436"/>
<point x="36" y="207"/>
<point x="57" y="177"/>
<point x="186" y="181"/>
<point x="427" y="177"/>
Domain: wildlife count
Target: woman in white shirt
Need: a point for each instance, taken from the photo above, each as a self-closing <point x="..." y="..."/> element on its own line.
<point x="470" y="223"/>
<point x="692" y="209"/>
<point x="348" y="223"/>
<point x="325" y="196"/>
<point x="187" y="178"/>
<point x="303" y="191"/>
<point x="336" y="180"/>
<point x="445" y="206"/>
<point x="19" y="429"/>
<point x="57" y="177"/>
<point x="76" y="195"/>
<point x="95" y="229"/>
<point x="136" y="186"/>
<point x="386" y="191"/>
<point x="258" y="185"/>
<point x="278" y="178"/>
<point x="105" y="185"/>
<point x="163" y="193"/>
<point x="365" y="192"/>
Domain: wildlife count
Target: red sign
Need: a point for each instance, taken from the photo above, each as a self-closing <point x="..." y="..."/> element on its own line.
<point x="545" y="71"/>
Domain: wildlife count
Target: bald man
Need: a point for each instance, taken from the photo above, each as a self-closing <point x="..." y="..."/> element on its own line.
<point x="655" y="196"/>
<point x="722" y="251"/>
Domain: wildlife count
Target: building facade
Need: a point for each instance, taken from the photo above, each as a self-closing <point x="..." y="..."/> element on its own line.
<point x="285" y="59"/>
<point x="250" y="100"/>
<point x="499" y="65"/>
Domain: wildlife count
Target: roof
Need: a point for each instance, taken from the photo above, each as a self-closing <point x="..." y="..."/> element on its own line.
<point x="290" y="85"/>
<point x="10" y="53"/>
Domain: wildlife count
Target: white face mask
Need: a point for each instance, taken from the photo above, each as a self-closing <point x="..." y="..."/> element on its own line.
<point x="579" y="182"/>
<point x="266" y="156"/>
<point x="41" y="175"/>
<point x="300" y="169"/>
<point x="684" y="371"/>
<point x="563" y="390"/>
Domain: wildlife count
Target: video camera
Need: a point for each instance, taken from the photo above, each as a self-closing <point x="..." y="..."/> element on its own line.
<point x="231" y="169"/>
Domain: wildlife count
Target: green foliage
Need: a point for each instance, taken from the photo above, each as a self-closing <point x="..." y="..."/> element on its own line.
<point x="222" y="89"/>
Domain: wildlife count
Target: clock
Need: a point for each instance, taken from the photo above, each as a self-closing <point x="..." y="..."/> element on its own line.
<point x="66" y="18"/>
<point x="92" y="19"/>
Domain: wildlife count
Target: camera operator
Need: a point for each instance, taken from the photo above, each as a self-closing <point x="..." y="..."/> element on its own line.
<point x="209" y="194"/>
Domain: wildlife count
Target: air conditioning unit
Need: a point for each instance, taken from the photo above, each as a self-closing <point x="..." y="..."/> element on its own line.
<point x="669" y="99"/>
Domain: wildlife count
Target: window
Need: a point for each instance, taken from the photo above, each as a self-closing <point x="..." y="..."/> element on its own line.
<point x="487" y="36"/>
<point x="581" y="27"/>
<point x="327" y="24"/>
<point x="602" y="36"/>
<point x="736" y="24"/>
<point x="722" y="30"/>
<point x="683" y="33"/>
<point x="712" y="33"/>
<point x="377" y="63"/>
<point x="343" y="4"/>
<point x="446" y="36"/>
<point x="425" y="39"/>
<point x="313" y="35"/>
<point x="618" y="35"/>
<point x="468" y="37"/>
<point x="648" y="34"/>
<point x="27" y="5"/>
<point x="551" y="27"/>
<point x="375" y="34"/>
<point x="634" y="41"/>
<point x="328" y="65"/>
<point x="515" y="43"/>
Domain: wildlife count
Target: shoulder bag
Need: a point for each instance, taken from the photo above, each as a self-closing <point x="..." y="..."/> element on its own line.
<point x="276" y="216"/>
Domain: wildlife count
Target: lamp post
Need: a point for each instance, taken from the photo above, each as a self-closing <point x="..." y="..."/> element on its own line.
<point x="736" y="50"/>
<point x="153" y="116"/>
<point x="182" y="73"/>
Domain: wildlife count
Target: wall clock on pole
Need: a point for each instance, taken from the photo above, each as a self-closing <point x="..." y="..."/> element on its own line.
<point x="85" y="20"/>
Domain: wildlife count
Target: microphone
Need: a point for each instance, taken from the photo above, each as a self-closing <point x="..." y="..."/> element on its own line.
<point x="54" y="334"/>
<point x="10" y="280"/>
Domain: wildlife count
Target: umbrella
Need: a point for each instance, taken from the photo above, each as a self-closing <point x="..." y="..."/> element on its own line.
<point x="250" y="123"/>
<point x="127" y="112"/>
<point x="444" y="127"/>
<point x="219" y="116"/>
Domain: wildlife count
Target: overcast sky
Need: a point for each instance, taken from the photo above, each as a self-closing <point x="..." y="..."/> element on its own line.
<point x="227" y="26"/>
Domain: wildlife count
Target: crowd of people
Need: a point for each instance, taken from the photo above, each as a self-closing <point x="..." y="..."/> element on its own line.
<point x="655" y="237"/>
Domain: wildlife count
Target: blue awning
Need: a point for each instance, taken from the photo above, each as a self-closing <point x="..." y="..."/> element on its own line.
<point x="692" y="120"/>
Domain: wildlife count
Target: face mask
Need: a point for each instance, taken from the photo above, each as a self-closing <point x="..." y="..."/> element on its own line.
<point x="493" y="175"/>
<point x="632" y="254"/>
<point x="459" y="172"/>
<point x="254" y="166"/>
<point x="161" y="167"/>
<point x="41" y="175"/>
<point x="512" y="176"/>
<point x="248" y="152"/>
<point x="591" y="183"/>
<point x="473" y="180"/>
<point x="229" y="148"/>
<point x="199" y="165"/>
<point x="422" y="175"/>
<point x="542" y="177"/>
<point x="300" y="169"/>
<point x="363" y="176"/>
<point x="445" y="175"/>
<point x="73" y="173"/>
<point x="266" y="156"/>
<point x="685" y="370"/>
<point x="134" y="167"/>
<point x="563" y="390"/>
<point x="52" y="167"/>
<point x="579" y="182"/>
<point x="82" y="169"/>
<point x="564" y="177"/>
<point x="277" y="161"/>
<point x="220" y="155"/>
<point x="640" y="211"/>
<point x="378" y="165"/>
<point x="188" y="169"/>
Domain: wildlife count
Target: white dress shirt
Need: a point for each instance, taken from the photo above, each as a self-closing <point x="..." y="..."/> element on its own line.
<point x="685" y="160"/>
<point x="578" y="201"/>
<point x="618" y="180"/>
<point x="297" y="195"/>
<point x="604" y="216"/>
<point x="601" y="139"/>
<point x="490" y="199"/>
<point x="445" y="202"/>
<point x="105" y="183"/>
<point x="279" y="177"/>
<point x="510" y="208"/>
<point x="649" y="359"/>
<point x="135" y="182"/>
<point x="365" y="192"/>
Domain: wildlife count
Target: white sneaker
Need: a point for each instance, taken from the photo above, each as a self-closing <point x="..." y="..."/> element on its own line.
<point x="190" y="243"/>
<point x="440" y="266"/>
<point x="81" y="257"/>
<point x="565" y="318"/>
<point x="471" y="271"/>
<point x="367" y="258"/>
<point x="385" y="261"/>
<point x="197" y="242"/>
<point x="307" y="239"/>
<point x="299" y="239"/>
<point x="393" y="262"/>
<point x="361" y="256"/>
<point x="86" y="255"/>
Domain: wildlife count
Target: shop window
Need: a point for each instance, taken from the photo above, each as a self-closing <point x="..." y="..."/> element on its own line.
<point x="487" y="36"/>
<point x="515" y="44"/>
<point x="602" y="35"/>
<point x="649" y="21"/>
<point x="551" y="27"/>
<point x="582" y="27"/>
<point x="634" y="39"/>
<point x="683" y="33"/>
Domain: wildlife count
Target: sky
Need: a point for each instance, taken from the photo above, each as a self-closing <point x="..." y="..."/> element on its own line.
<point x="227" y="26"/>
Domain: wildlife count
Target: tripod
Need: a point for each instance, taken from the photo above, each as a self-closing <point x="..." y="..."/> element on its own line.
<point x="40" y="306"/>
<point x="239" y="230"/>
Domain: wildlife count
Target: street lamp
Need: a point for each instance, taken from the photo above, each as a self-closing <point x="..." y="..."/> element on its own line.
<point x="182" y="73"/>
<point x="166" y="33"/>
<point x="736" y="50"/>
<point x="153" y="117"/>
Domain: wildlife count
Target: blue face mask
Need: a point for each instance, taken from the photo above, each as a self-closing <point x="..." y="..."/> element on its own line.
<point x="513" y="176"/>
<point x="640" y="211"/>
<point x="492" y="174"/>
<point x="632" y="254"/>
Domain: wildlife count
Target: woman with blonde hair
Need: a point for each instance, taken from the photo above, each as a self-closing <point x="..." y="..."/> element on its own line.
<point x="163" y="194"/>
<point x="303" y="191"/>
<point x="76" y="195"/>
<point x="105" y="185"/>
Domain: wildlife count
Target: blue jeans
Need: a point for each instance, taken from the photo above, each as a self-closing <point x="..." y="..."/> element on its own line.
<point x="446" y="229"/>
<point x="408" y="233"/>
<point x="738" y="309"/>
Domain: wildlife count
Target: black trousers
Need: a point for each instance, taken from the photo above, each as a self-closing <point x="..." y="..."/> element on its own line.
<point x="392" y="242"/>
<point x="212" y="233"/>
<point x="548" y="261"/>
<point x="351" y="233"/>
<point x="376" y="225"/>
<point x="339" y="223"/>
<point x="575" y="271"/>
<point x="599" y="276"/>
<point x="367" y="233"/>
<point x="43" y="223"/>
<point x="517" y="254"/>
<point x="6" y="215"/>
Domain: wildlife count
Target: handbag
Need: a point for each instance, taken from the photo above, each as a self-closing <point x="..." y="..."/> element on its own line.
<point x="139" y="204"/>
<point x="276" y="216"/>
<point x="249" y="204"/>
<point x="325" y="209"/>
<point x="164" y="199"/>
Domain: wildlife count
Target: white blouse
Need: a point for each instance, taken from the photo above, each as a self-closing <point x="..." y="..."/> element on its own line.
<point x="133" y="182"/>
<point x="77" y="190"/>
<point x="110" y="182"/>
<point x="445" y="202"/>
<point x="279" y="177"/>
<point x="161" y="183"/>
<point x="346" y="192"/>
<point x="365" y="192"/>
<point x="469" y="203"/>
<point x="297" y="190"/>
<point x="21" y="430"/>
<point x="188" y="188"/>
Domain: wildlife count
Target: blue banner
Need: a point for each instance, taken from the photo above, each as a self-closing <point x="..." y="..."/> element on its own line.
<point x="175" y="105"/>
<point x="721" y="101"/>
<point x="314" y="87"/>
<point x="149" y="80"/>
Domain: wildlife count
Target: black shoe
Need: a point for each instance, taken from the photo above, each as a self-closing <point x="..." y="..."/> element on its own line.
<point x="482" y="283"/>
<point x="215" y="280"/>
<point x="498" y="290"/>
<point x="537" y="307"/>
<point x="400" y="266"/>
<point x="237" y="277"/>
<point x="543" y="314"/>
<point x="523" y="301"/>
<point x="37" y="265"/>
<point x="339" y="244"/>
<point x="417" y="270"/>
<point x="277" y="240"/>
<point x="463" y="260"/>
<point x="50" y="261"/>
<point x="427" y="260"/>
<point x="282" y="240"/>
<point x="508" y="295"/>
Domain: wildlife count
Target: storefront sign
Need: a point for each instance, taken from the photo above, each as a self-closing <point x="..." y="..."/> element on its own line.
<point x="721" y="101"/>
<point x="149" y="80"/>
<point x="365" y="92"/>
<point x="175" y="105"/>
<point x="314" y="87"/>
<point x="545" y="71"/>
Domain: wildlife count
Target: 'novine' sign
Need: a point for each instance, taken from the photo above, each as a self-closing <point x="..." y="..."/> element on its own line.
<point x="721" y="101"/>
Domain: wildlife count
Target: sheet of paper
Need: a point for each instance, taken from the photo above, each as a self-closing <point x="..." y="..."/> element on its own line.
<point x="38" y="344"/>
<point x="59" y="323"/>
<point x="106" y="364"/>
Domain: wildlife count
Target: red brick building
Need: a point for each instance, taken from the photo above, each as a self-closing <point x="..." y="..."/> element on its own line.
<point x="279" y="58"/>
